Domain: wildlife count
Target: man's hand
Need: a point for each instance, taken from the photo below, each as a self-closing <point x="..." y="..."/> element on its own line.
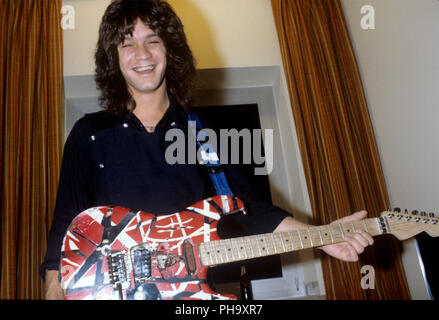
<point x="354" y="243"/>
<point x="348" y="250"/>
<point x="53" y="287"/>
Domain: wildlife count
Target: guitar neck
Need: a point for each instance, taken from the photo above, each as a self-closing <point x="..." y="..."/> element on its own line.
<point x="261" y="245"/>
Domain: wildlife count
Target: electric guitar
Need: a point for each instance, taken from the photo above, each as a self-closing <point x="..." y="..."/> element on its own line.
<point x="116" y="253"/>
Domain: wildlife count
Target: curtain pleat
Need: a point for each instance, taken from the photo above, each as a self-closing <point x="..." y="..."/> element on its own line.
<point x="31" y="85"/>
<point x="336" y="138"/>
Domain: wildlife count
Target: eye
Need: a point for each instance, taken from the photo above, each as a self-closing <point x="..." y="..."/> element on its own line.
<point x="153" y="41"/>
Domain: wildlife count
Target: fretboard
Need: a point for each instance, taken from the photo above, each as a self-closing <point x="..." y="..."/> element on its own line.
<point x="243" y="248"/>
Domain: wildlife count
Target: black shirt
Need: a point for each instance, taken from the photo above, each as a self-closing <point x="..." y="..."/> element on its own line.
<point x="112" y="160"/>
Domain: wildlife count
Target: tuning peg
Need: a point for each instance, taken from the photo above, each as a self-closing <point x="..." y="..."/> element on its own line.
<point x="415" y="212"/>
<point x="397" y="209"/>
<point x="423" y="213"/>
<point x="431" y="214"/>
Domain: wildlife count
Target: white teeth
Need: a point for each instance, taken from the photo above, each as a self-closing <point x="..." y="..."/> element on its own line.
<point x="141" y="69"/>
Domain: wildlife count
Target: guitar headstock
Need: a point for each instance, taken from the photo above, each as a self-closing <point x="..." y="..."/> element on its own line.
<point x="404" y="225"/>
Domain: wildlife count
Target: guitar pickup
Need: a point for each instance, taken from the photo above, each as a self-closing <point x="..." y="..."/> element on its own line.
<point x="189" y="258"/>
<point x="141" y="262"/>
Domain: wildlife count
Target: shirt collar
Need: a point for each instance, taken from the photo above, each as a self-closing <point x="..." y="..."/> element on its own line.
<point x="173" y="117"/>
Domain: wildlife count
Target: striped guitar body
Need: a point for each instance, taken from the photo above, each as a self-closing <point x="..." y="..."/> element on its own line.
<point x="114" y="253"/>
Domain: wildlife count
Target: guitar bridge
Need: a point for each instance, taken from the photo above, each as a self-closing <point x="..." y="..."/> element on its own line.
<point x="119" y="269"/>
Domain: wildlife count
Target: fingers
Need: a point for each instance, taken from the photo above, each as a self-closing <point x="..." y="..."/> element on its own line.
<point x="359" y="215"/>
<point x="359" y="240"/>
<point x="367" y="236"/>
<point x="354" y="217"/>
<point x="354" y="243"/>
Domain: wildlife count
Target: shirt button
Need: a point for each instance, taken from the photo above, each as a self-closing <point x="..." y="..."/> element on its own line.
<point x="93" y="138"/>
<point x="172" y="124"/>
<point x="101" y="166"/>
<point x="125" y="125"/>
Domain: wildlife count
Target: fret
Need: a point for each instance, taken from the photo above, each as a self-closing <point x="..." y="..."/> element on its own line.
<point x="251" y="247"/>
<point x="324" y="235"/>
<point x="242" y="247"/>
<point x="274" y="242"/>
<point x="348" y="227"/>
<point x="264" y="247"/>
<point x="212" y="252"/>
<point x="305" y="238"/>
<point x="341" y="229"/>
<point x="231" y="249"/>
<point x="245" y="247"/>
<point x="310" y="238"/>
<point x="209" y="254"/>
<point x="238" y="248"/>
<point x="219" y="251"/>
<point x="203" y="252"/>
<point x="259" y="248"/>
<point x="251" y="242"/>
<point x="266" y="244"/>
<point x="222" y="250"/>
<point x="353" y="227"/>
<point x="297" y="243"/>
<point x="287" y="241"/>
<point x="330" y="232"/>
<point x="320" y="235"/>
<point x="225" y="250"/>
<point x="336" y="234"/>
<point x="358" y="225"/>
<point x="277" y="243"/>
<point x="315" y="236"/>
<point x="291" y="240"/>
<point x="282" y="241"/>
<point x="300" y="238"/>
<point x="365" y="226"/>
<point x="374" y="228"/>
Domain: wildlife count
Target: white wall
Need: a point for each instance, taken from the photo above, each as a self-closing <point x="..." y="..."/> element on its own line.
<point x="400" y="70"/>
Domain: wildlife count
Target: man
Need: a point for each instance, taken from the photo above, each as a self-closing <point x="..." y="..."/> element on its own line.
<point x="145" y="72"/>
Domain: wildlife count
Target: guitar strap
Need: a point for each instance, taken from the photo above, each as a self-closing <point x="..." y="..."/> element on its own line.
<point x="209" y="157"/>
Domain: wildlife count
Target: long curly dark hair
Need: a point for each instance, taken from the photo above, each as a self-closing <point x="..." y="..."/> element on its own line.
<point x="119" y="21"/>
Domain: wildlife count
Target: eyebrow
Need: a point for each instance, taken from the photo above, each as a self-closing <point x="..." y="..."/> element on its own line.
<point x="148" y="36"/>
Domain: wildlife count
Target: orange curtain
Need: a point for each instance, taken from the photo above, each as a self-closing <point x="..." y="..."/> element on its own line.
<point x="31" y="75"/>
<point x="340" y="157"/>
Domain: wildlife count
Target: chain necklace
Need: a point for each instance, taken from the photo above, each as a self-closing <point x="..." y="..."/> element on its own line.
<point x="150" y="128"/>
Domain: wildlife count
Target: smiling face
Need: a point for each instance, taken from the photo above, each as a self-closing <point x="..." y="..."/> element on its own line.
<point x="142" y="61"/>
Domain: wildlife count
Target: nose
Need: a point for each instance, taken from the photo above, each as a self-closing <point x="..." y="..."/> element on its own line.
<point x="143" y="53"/>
